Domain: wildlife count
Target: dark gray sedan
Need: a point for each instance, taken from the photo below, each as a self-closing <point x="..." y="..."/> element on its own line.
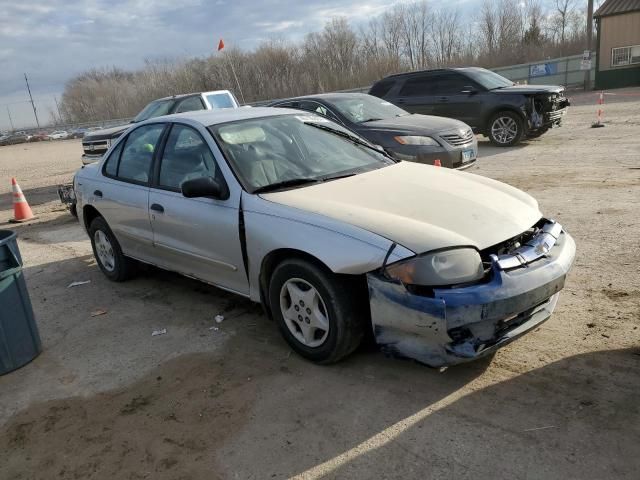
<point x="405" y="136"/>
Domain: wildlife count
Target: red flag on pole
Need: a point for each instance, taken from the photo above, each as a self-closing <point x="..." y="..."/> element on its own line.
<point x="220" y="45"/>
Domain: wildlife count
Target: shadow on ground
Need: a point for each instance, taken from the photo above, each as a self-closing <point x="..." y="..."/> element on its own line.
<point x="487" y="149"/>
<point x="255" y="411"/>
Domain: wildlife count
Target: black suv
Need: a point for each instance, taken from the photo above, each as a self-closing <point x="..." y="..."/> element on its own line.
<point x="488" y="102"/>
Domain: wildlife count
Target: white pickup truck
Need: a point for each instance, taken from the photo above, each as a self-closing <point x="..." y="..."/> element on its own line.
<point x="95" y="144"/>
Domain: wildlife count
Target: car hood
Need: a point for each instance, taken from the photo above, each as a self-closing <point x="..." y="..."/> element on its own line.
<point x="416" y="124"/>
<point x="105" y="133"/>
<point x="519" y="89"/>
<point x="420" y="207"/>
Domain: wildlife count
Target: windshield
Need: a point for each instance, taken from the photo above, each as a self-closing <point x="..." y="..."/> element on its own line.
<point x="154" y="109"/>
<point x="292" y="149"/>
<point x="488" y="79"/>
<point x="363" y="108"/>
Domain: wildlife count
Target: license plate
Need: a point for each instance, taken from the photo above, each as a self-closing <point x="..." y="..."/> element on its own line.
<point x="468" y="155"/>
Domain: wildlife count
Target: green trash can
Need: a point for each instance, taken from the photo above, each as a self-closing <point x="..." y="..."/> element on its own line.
<point x="19" y="338"/>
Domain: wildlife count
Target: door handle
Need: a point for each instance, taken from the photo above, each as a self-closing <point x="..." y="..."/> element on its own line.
<point x="157" y="208"/>
<point x="443" y="99"/>
<point x="97" y="193"/>
<point x="400" y="100"/>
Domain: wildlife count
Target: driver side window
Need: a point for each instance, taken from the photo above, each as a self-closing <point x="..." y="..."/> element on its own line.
<point x="186" y="156"/>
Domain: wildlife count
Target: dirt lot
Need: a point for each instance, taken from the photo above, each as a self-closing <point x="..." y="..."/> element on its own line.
<point x="107" y="400"/>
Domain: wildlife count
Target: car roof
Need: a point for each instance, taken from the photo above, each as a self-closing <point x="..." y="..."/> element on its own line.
<point x="214" y="117"/>
<point x="193" y="94"/>
<point x="324" y="96"/>
<point x="418" y="72"/>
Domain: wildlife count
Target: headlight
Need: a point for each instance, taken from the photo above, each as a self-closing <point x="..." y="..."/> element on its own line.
<point x="416" y="140"/>
<point x="448" y="267"/>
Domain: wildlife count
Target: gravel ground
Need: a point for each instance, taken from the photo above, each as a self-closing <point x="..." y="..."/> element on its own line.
<point x="107" y="400"/>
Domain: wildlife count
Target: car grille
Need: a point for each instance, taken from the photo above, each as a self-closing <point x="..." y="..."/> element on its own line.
<point x="457" y="139"/>
<point x="98" y="147"/>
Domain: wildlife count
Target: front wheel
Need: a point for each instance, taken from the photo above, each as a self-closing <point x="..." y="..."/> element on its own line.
<point x="505" y="129"/>
<point x="316" y="311"/>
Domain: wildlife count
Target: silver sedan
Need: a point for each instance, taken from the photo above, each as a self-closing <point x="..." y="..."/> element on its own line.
<point x="330" y="234"/>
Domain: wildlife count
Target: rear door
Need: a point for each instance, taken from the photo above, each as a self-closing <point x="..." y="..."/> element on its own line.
<point x="418" y="94"/>
<point x="122" y="195"/>
<point x="198" y="237"/>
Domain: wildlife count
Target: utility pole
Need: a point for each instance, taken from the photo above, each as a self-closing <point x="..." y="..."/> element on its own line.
<point x="587" y="73"/>
<point x="55" y="98"/>
<point x="10" y="119"/>
<point x="35" y="114"/>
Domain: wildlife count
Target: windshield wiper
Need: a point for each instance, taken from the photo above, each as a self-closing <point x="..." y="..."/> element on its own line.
<point x="373" y="119"/>
<point x="351" y="138"/>
<point x="336" y="177"/>
<point x="292" y="182"/>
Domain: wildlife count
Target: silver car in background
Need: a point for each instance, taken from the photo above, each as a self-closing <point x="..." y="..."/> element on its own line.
<point x="330" y="234"/>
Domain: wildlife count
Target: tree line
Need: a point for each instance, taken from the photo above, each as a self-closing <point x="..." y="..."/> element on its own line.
<point x="408" y="36"/>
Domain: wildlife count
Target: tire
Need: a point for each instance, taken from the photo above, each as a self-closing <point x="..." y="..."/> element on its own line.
<point x="505" y="129"/>
<point x="337" y="301"/>
<point x="73" y="210"/>
<point x="115" y="266"/>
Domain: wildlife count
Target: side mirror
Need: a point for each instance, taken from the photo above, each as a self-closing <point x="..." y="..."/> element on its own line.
<point x="204" y="187"/>
<point x="469" y="90"/>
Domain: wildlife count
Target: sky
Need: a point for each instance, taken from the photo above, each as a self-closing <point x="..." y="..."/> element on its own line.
<point x="53" y="40"/>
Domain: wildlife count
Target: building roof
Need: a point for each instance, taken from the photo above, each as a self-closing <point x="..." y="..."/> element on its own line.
<point x="617" y="7"/>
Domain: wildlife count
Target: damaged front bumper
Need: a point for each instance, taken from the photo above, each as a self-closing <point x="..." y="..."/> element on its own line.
<point x="454" y="325"/>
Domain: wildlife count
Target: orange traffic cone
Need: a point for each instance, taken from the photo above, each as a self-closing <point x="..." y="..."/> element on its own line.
<point x="437" y="163"/>
<point x="21" y="209"/>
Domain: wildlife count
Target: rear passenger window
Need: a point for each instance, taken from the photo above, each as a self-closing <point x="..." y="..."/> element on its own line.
<point x="135" y="161"/>
<point x="111" y="165"/>
<point x="186" y="156"/>
<point x="418" y="86"/>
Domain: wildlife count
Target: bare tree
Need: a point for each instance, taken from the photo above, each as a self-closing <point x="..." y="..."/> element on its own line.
<point x="445" y="31"/>
<point x="405" y="37"/>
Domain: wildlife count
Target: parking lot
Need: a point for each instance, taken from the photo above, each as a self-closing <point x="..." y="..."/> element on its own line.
<point x="106" y="399"/>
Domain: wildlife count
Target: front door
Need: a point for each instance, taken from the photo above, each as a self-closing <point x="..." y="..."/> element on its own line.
<point x="198" y="237"/>
<point x="455" y="98"/>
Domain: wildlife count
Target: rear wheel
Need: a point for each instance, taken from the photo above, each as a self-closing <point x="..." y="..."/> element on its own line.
<point x="316" y="311"/>
<point x="108" y="253"/>
<point x="505" y="129"/>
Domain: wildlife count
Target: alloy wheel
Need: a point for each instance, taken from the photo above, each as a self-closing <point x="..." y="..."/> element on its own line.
<point x="504" y="129"/>
<point x="104" y="250"/>
<point x="304" y="312"/>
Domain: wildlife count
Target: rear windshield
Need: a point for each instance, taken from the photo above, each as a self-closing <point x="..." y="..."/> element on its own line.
<point x="220" y="100"/>
<point x="154" y="109"/>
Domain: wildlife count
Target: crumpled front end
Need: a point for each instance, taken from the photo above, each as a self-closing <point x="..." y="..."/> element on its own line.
<point x="445" y="326"/>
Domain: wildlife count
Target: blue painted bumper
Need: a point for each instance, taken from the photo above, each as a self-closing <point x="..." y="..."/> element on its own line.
<point x="461" y="324"/>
